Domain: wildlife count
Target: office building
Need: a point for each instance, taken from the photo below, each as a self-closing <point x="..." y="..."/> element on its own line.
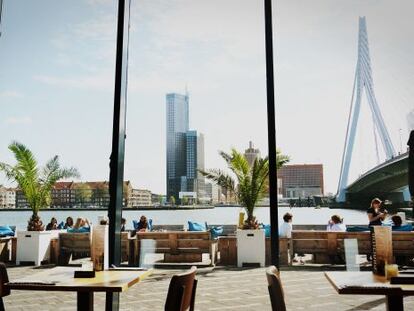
<point x="185" y="152"/>
<point x="177" y="127"/>
<point x="410" y="120"/>
<point x="301" y="181"/>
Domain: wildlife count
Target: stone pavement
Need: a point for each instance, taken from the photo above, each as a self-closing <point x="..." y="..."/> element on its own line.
<point x="218" y="289"/>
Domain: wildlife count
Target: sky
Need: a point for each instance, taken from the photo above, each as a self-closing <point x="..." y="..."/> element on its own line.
<point x="57" y="61"/>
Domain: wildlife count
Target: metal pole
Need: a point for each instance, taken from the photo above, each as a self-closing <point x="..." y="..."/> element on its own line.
<point x="116" y="175"/>
<point x="271" y="134"/>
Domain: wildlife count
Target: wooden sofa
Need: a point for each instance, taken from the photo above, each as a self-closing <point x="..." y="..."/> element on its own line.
<point x="78" y="245"/>
<point x="177" y="246"/>
<point x="325" y="245"/>
<point x="8" y="246"/>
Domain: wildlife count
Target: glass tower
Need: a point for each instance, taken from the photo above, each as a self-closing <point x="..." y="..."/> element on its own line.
<point x="177" y="127"/>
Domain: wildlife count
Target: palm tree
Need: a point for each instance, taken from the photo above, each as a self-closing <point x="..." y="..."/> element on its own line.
<point x="252" y="180"/>
<point x="35" y="182"/>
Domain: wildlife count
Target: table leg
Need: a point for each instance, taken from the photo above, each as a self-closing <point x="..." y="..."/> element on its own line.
<point x="85" y="301"/>
<point x="395" y="303"/>
<point x="112" y="301"/>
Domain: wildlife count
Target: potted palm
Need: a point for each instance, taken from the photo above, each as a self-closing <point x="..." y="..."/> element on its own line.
<point x="248" y="183"/>
<point x="36" y="184"/>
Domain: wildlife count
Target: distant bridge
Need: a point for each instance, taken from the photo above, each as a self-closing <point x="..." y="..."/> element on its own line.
<point x="389" y="180"/>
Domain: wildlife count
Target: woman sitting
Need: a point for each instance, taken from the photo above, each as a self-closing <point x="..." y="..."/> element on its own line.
<point x="52" y="225"/>
<point x="142" y="225"/>
<point x="336" y="224"/>
<point x="69" y="223"/>
<point x="81" y="225"/>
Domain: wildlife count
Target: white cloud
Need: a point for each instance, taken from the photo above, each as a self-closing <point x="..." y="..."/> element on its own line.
<point x="11" y="94"/>
<point x="18" y="120"/>
<point x="103" y="81"/>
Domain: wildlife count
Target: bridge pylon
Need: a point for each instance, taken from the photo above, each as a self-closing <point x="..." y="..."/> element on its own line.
<point x="362" y="82"/>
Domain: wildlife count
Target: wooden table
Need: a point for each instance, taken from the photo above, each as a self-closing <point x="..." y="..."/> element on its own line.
<point x="366" y="283"/>
<point x="112" y="281"/>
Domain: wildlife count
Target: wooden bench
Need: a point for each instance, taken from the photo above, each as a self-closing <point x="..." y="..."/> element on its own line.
<point x="78" y="245"/>
<point x="324" y="245"/>
<point x="8" y="246"/>
<point x="227" y="251"/>
<point x="177" y="246"/>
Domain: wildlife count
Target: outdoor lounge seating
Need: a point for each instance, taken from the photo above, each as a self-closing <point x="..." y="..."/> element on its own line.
<point x="277" y="298"/>
<point x="78" y="245"/>
<point x="177" y="247"/>
<point x="3" y="280"/>
<point x="8" y="247"/>
<point x="182" y="291"/>
<point x="324" y="245"/>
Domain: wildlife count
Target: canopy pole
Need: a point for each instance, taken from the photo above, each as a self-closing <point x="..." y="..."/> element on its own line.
<point x="116" y="175"/>
<point x="271" y="135"/>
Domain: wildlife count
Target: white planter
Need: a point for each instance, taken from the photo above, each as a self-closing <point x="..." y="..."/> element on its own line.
<point x="33" y="246"/>
<point x="251" y="247"/>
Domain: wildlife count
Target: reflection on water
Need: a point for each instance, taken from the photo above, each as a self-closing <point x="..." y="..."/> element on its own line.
<point x="218" y="215"/>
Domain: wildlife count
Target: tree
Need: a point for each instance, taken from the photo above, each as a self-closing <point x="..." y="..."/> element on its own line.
<point x="172" y="200"/>
<point x="83" y="193"/>
<point x="184" y="201"/>
<point x="35" y="182"/>
<point x="249" y="183"/>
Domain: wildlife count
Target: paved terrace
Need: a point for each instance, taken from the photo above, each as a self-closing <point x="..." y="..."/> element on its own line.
<point x="218" y="289"/>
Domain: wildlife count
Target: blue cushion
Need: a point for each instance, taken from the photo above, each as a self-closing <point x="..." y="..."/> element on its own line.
<point x="61" y="225"/>
<point x="407" y="227"/>
<point x="79" y="230"/>
<point x="6" y="231"/>
<point x="357" y="228"/>
<point x="267" y="230"/>
<point x="195" y="226"/>
<point x="135" y="224"/>
<point x="216" y="231"/>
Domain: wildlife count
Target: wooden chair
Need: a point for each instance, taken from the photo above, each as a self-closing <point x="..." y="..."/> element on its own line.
<point x="182" y="291"/>
<point x="275" y="289"/>
<point x="3" y="280"/>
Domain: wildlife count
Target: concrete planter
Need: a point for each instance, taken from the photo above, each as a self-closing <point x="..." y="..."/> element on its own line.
<point x="33" y="246"/>
<point x="251" y="247"/>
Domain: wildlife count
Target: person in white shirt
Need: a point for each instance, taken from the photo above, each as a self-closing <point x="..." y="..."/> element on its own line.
<point x="336" y="224"/>
<point x="285" y="230"/>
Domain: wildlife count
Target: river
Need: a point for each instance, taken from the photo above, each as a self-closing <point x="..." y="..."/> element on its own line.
<point x="217" y="215"/>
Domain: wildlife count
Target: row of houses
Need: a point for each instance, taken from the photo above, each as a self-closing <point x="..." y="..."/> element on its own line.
<point x="79" y="194"/>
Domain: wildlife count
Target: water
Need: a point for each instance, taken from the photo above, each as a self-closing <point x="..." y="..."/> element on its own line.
<point x="218" y="215"/>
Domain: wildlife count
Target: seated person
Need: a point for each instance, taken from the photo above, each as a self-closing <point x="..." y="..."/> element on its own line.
<point x="69" y="223"/>
<point x="396" y="221"/>
<point x="142" y="225"/>
<point x="336" y="224"/>
<point x="285" y="230"/>
<point x="81" y="225"/>
<point x="52" y="225"/>
<point x="123" y="224"/>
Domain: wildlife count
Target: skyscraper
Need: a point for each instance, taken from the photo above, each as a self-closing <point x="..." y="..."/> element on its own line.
<point x="185" y="150"/>
<point x="410" y="120"/>
<point x="177" y="127"/>
<point x="251" y="154"/>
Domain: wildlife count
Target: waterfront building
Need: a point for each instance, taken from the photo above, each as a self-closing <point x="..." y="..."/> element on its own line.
<point x="185" y="151"/>
<point x="410" y="120"/>
<point x="213" y="191"/>
<point x="140" y="197"/>
<point x="301" y="181"/>
<point x="251" y="154"/>
<point x="7" y="197"/>
<point x="177" y="127"/>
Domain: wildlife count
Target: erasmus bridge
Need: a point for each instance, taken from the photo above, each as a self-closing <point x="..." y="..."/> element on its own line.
<point x="388" y="180"/>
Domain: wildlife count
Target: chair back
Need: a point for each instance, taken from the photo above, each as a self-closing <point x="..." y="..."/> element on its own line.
<point x="181" y="292"/>
<point x="277" y="298"/>
<point x="3" y="280"/>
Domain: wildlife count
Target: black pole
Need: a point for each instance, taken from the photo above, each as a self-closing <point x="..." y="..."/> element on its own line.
<point x="271" y="134"/>
<point x="116" y="174"/>
<point x="1" y="11"/>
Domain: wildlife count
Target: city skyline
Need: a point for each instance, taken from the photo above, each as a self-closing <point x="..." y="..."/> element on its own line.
<point x="62" y="102"/>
